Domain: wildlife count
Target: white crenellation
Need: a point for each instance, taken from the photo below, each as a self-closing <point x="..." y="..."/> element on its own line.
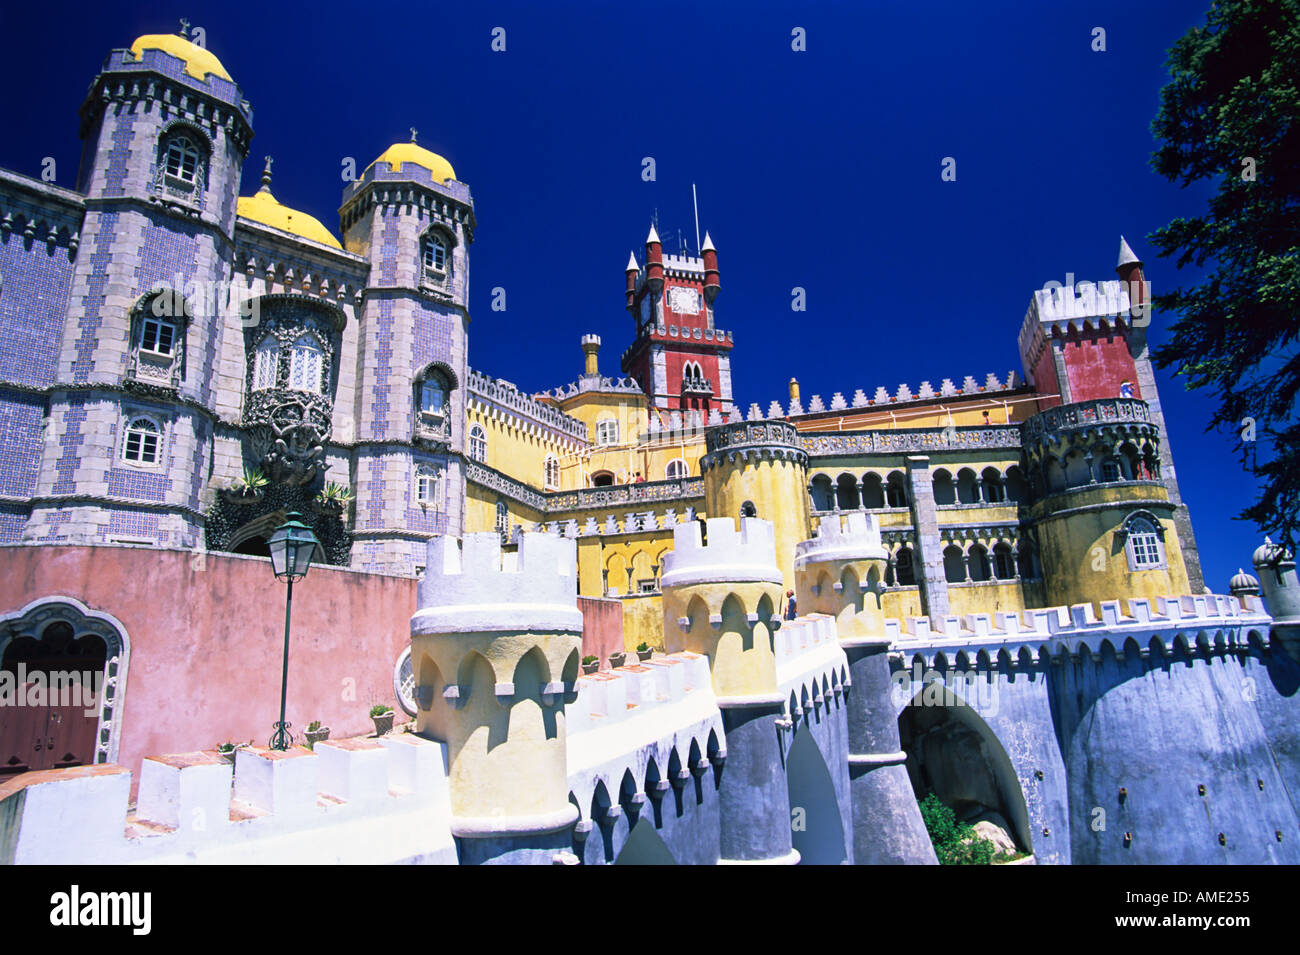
<point x="747" y="554"/>
<point x="851" y="536"/>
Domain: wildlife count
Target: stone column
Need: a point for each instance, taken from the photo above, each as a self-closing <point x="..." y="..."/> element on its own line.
<point x="927" y="566"/>
<point x="887" y="824"/>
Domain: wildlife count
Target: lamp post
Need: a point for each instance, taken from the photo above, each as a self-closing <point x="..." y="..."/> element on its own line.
<point x="292" y="547"/>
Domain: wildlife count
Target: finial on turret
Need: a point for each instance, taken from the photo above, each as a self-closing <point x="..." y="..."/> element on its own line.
<point x="653" y="236"/>
<point x="414" y="131"/>
<point x="266" y="176"/>
<point x="185" y="28"/>
<point x="708" y="243"/>
<point x="631" y="263"/>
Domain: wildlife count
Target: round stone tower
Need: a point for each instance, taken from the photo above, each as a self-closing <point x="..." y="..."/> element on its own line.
<point x="721" y="593"/>
<point x="759" y="469"/>
<point x="1277" y="578"/>
<point x="495" y="649"/>
<point x="839" y="572"/>
<point x="1101" y="513"/>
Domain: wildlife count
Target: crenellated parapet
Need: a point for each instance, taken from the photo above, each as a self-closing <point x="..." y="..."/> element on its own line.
<point x="495" y="649"/>
<point x="722" y="598"/>
<point x="356" y="801"/>
<point x="841" y="572"/>
<point x="1202" y="625"/>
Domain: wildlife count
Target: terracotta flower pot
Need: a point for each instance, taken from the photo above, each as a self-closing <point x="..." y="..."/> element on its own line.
<point x="383" y="724"/>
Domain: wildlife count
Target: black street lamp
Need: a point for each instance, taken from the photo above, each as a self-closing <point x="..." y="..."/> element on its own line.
<point x="292" y="547"/>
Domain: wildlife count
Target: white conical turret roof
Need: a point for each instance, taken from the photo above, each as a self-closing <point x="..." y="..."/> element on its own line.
<point x="653" y="236"/>
<point x="631" y="263"/>
<point x="1126" y="256"/>
<point x="708" y="243"/>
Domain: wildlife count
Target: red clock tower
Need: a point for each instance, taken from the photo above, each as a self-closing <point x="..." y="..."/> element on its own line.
<point x="681" y="360"/>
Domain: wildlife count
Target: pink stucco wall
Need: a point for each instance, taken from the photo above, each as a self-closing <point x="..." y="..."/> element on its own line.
<point x="602" y="627"/>
<point x="207" y="638"/>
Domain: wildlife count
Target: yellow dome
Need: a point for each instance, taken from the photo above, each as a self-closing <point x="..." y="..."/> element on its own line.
<point x="198" y="61"/>
<point x="400" y="153"/>
<point x="262" y="207"/>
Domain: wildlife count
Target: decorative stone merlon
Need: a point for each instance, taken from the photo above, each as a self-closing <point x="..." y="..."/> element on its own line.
<point x="471" y="587"/>
<point x="853" y="536"/>
<point x="747" y="555"/>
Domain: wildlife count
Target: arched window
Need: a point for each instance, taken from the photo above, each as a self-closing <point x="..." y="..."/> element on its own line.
<point x="602" y="479"/>
<point x="896" y="490"/>
<point x="265" y="362"/>
<point x="1004" y="564"/>
<point x="954" y="564"/>
<point x="435" y="254"/>
<point x="182" y="159"/>
<point x="503" y="521"/>
<point x="1145" y="544"/>
<point x="945" y="492"/>
<point x="478" y="443"/>
<point x="306" y="365"/>
<point x="551" y="473"/>
<point x="977" y="562"/>
<point x="1111" y="470"/>
<point x="606" y="431"/>
<point x="142" y="442"/>
<point x="435" y="395"/>
<point x="676" y="470"/>
<point x="994" y="490"/>
<point x="749" y="510"/>
<point x="429" y="485"/>
<point x="904" y="572"/>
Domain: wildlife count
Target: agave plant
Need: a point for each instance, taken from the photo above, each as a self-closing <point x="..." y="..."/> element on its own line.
<point x="252" y="481"/>
<point x="333" y="493"/>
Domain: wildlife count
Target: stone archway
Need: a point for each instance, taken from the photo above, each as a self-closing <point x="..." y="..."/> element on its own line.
<point x="817" y="831"/>
<point x="953" y="753"/>
<point x="79" y="658"/>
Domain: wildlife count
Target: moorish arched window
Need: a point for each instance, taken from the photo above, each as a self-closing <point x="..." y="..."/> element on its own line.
<point x="266" y="359"/>
<point x="551" y="473"/>
<point x="1144" y="541"/>
<point x="676" y="470"/>
<point x="306" y="365"/>
<point x="143" y="442"/>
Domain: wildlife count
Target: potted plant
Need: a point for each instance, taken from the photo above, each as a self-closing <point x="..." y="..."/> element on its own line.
<point x="643" y="651"/>
<point x="228" y="750"/>
<point x="316" y="733"/>
<point x="382" y="714"/>
<point x="590" y="664"/>
<point x="617" y="658"/>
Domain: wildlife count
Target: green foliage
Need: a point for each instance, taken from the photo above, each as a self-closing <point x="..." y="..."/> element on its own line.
<point x="253" y="480"/>
<point x="642" y="647"/>
<point x="313" y="726"/>
<point x="380" y="709"/>
<point x="589" y="659"/>
<point x="955" y="843"/>
<point x="1230" y="119"/>
<point x="333" y="493"/>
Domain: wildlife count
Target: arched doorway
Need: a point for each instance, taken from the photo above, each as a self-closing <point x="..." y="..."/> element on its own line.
<point x="817" y="831"/>
<point x="69" y="665"/>
<point x="954" y="754"/>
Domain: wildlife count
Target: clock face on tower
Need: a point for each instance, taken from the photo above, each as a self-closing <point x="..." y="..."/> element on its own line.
<point x="684" y="301"/>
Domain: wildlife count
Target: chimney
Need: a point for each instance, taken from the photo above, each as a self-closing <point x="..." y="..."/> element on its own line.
<point x="590" y="348"/>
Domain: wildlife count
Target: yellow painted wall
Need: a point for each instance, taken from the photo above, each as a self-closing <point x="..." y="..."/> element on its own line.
<point x="516" y="451"/>
<point x="986" y="597"/>
<point x="1082" y="558"/>
<point x="741" y="657"/>
<point x="643" y="621"/>
<point x="778" y="489"/>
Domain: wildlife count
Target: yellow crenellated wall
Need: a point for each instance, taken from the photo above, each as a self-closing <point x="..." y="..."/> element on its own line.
<point x="741" y="655"/>
<point x="778" y="489"/>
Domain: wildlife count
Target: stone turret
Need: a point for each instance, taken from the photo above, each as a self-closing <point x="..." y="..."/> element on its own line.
<point x="494" y="649"/>
<point x="839" y="572"/>
<point x="1277" y="578"/>
<point x="721" y="593"/>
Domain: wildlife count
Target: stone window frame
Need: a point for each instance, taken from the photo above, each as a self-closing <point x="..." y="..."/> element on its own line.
<point x="551" y="473"/>
<point x="295" y="348"/>
<point x="32" y="620"/>
<point x="430" y="275"/>
<point x="1138" y="539"/>
<point x="669" y="468"/>
<point x="168" y="367"/>
<point x="436" y="476"/>
<point x="190" y="191"/>
<point x="322" y="323"/>
<point x="502" y="522"/>
<point x="129" y="417"/>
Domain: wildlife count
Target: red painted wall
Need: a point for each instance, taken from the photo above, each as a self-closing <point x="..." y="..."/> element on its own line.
<point x="602" y="627"/>
<point x="207" y="640"/>
<point x="1045" y="378"/>
<point x="1096" y="366"/>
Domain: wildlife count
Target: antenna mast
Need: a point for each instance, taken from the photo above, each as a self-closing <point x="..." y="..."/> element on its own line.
<point x="696" y="201"/>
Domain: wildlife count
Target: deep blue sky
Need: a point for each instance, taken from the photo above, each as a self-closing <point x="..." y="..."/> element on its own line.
<point x="818" y="169"/>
